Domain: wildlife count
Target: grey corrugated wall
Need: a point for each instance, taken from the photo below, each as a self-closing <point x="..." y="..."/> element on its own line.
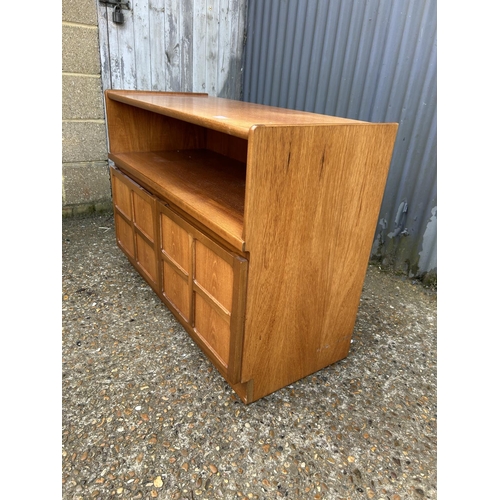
<point x="372" y="60"/>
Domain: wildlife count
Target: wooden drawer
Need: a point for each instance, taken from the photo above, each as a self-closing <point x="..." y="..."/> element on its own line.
<point x="204" y="285"/>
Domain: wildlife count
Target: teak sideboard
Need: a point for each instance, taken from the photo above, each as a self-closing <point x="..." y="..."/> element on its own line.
<point x="253" y="224"/>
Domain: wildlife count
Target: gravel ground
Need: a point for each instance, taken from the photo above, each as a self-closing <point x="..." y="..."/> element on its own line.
<point x="145" y="415"/>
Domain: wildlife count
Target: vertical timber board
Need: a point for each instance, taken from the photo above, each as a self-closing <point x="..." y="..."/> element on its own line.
<point x="102" y="22"/>
<point x="180" y="32"/>
<point x="122" y="51"/>
<point x="157" y="44"/>
<point x="238" y="34"/>
<point x="308" y="254"/>
<point x="175" y="45"/>
<point x="199" y="46"/>
<point x="218" y="44"/>
<point x="186" y="46"/>
<point x="172" y="45"/>
<point x="223" y="55"/>
<point x="213" y="47"/>
<point x="140" y="20"/>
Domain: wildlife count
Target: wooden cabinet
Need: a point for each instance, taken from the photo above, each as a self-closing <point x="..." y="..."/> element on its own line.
<point x="253" y="224"/>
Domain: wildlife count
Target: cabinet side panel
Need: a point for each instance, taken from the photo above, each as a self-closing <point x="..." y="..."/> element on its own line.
<point x="313" y="197"/>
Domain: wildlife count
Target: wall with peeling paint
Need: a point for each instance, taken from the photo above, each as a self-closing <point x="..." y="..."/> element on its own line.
<point x="368" y="60"/>
<point x="174" y="45"/>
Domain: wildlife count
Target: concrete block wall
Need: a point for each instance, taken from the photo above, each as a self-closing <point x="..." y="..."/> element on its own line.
<point x="85" y="171"/>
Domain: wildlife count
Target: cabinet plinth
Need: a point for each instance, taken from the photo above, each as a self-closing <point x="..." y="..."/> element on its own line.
<point x="253" y="224"/>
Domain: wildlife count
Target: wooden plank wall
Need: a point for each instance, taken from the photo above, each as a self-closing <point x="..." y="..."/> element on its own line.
<point x="175" y="45"/>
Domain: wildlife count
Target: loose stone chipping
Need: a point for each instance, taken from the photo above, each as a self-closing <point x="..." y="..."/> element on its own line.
<point x="146" y="415"/>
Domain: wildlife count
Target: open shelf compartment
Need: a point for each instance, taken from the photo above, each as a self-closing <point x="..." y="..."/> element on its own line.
<point x="206" y="185"/>
<point x="197" y="166"/>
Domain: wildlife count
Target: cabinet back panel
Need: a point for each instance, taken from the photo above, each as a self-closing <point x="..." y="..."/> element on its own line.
<point x="135" y="129"/>
<point x="227" y="145"/>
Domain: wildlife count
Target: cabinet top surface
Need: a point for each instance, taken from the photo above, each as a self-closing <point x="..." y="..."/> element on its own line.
<point x="226" y="115"/>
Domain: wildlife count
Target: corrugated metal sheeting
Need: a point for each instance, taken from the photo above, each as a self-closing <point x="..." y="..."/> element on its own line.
<point x="372" y="60"/>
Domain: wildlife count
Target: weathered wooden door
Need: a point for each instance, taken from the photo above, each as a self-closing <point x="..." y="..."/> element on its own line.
<point x="174" y="45"/>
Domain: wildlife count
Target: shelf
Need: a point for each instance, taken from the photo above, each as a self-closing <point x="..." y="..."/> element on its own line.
<point x="224" y="115"/>
<point x="208" y="186"/>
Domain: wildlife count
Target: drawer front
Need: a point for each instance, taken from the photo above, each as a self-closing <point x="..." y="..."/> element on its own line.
<point x="205" y="284"/>
<point x="135" y="213"/>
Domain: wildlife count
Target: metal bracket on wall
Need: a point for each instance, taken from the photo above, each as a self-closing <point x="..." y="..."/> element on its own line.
<point x="118" y="16"/>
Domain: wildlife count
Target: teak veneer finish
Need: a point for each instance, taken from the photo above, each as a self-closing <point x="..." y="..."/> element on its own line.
<point x="253" y="224"/>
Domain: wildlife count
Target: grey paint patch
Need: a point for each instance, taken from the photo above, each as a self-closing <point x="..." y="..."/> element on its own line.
<point x="428" y="254"/>
<point x="399" y="221"/>
<point x="379" y="237"/>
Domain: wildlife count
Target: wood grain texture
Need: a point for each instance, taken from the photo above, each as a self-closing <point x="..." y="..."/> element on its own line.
<point x="136" y="227"/>
<point x="136" y="129"/>
<point x="121" y="195"/>
<point x="175" y="243"/>
<point x="204" y="285"/>
<point x="214" y="274"/>
<point x="146" y="257"/>
<point x="125" y="235"/>
<point x="144" y="214"/>
<point x="212" y="328"/>
<point x="224" y="115"/>
<point x="145" y="230"/>
<point x="227" y="145"/>
<point x="177" y="264"/>
<point x="200" y="46"/>
<point x="208" y="186"/>
<point x="313" y="197"/>
<point x="175" y="288"/>
<point x="212" y="32"/>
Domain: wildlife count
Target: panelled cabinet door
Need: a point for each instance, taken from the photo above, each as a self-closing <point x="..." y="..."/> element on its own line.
<point x="176" y="265"/>
<point x="205" y="285"/>
<point x="135" y="225"/>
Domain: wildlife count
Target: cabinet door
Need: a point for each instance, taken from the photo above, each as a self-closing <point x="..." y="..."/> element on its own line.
<point x="135" y="213"/>
<point x="205" y="285"/>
